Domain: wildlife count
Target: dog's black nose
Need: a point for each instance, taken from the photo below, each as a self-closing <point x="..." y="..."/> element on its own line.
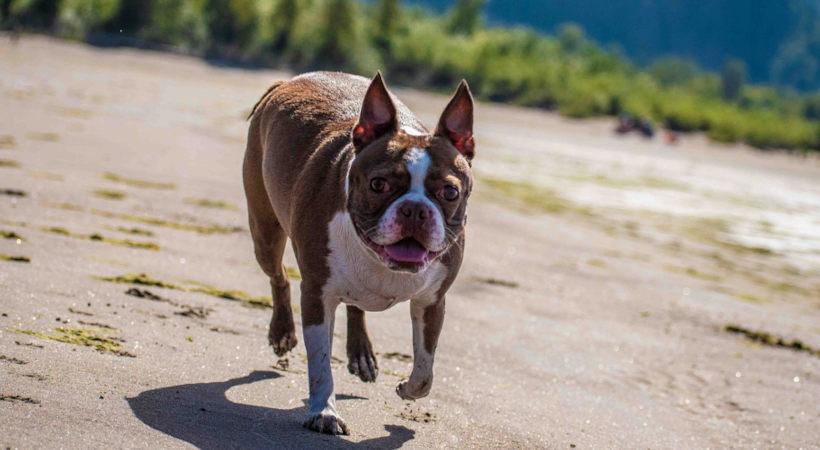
<point x="414" y="210"/>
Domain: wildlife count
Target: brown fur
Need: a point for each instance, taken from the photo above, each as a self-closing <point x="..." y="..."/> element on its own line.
<point x="300" y="147"/>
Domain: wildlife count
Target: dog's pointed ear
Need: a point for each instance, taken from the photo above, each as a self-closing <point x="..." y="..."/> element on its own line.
<point x="377" y="117"/>
<point x="456" y="122"/>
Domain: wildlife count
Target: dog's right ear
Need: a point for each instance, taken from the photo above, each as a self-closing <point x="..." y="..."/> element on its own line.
<point x="377" y="117"/>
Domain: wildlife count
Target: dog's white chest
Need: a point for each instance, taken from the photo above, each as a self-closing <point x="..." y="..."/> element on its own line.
<point x="359" y="278"/>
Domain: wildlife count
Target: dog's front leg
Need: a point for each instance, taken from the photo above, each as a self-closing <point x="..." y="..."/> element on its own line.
<point x="318" y="315"/>
<point x="427" y="321"/>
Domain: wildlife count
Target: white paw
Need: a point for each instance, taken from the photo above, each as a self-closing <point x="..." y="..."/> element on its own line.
<point x="327" y="421"/>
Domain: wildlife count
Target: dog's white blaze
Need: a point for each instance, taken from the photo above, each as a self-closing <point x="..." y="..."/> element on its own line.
<point x="388" y="231"/>
<point x="418" y="161"/>
<point x="359" y="277"/>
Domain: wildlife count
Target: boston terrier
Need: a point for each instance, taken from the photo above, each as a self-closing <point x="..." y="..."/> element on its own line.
<point x="375" y="207"/>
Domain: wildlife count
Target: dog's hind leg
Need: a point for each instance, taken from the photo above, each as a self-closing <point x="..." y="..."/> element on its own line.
<point x="360" y="356"/>
<point x="281" y="334"/>
<point x="269" y="241"/>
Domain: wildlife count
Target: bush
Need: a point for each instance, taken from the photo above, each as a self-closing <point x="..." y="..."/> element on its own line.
<point x="38" y="14"/>
<point x="77" y="18"/>
<point x="180" y="23"/>
<point x="568" y="72"/>
<point x="732" y="79"/>
<point x="673" y="71"/>
<point x="231" y="24"/>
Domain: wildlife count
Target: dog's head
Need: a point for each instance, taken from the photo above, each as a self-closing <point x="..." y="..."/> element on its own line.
<point x="407" y="190"/>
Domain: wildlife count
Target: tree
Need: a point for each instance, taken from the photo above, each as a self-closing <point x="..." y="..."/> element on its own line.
<point x="5" y="11"/>
<point x="40" y="14"/>
<point x="673" y="70"/>
<point x="231" y="22"/>
<point x="386" y="17"/>
<point x="571" y="37"/>
<point x="337" y="35"/>
<point x="283" y="22"/>
<point x="77" y="18"/>
<point x="465" y="16"/>
<point x="732" y="79"/>
<point x="132" y="17"/>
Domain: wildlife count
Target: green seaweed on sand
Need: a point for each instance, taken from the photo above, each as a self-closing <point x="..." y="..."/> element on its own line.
<point x="9" y="163"/>
<point x="596" y="262"/>
<point x="713" y="230"/>
<point x="497" y="282"/>
<point x="65" y="206"/>
<point x="56" y="230"/>
<point x="647" y="181"/>
<point x="235" y="295"/>
<point x="528" y="196"/>
<point x="13" y="192"/>
<point x="78" y="113"/>
<point x="96" y="237"/>
<point x="207" y="203"/>
<point x="11" y="235"/>
<point x="43" y="136"/>
<point x="393" y="373"/>
<point x="88" y="337"/>
<point x="13" y="360"/>
<point x="109" y="194"/>
<point x="46" y="175"/>
<point x="132" y="230"/>
<point x="142" y="279"/>
<point x="750" y="298"/>
<point x="768" y="339"/>
<point x="18" y="398"/>
<point x="137" y="183"/>
<point x="22" y="259"/>
<point x="203" y="229"/>
<point x="106" y="260"/>
<point x="293" y="273"/>
<point x="694" y="273"/>
<point x="7" y="142"/>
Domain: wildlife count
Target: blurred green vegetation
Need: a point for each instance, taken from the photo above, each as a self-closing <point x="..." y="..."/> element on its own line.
<point x="567" y="72"/>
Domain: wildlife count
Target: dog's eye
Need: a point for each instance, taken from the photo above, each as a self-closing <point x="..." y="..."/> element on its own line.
<point x="379" y="185"/>
<point x="450" y="193"/>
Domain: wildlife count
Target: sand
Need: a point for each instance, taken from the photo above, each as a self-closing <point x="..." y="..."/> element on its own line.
<point x="600" y="276"/>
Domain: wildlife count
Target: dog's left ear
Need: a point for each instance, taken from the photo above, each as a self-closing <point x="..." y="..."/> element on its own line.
<point x="456" y="122"/>
<point x="377" y="117"/>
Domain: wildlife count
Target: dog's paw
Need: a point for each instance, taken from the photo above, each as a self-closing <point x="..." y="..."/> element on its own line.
<point x="409" y="392"/>
<point x="362" y="362"/>
<point x="327" y="422"/>
<point x="282" y="338"/>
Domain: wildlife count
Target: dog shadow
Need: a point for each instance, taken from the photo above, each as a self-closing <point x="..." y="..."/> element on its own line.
<point x="202" y="415"/>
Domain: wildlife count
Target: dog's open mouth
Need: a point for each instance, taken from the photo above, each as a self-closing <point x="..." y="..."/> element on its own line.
<point x="406" y="254"/>
<point x="407" y="250"/>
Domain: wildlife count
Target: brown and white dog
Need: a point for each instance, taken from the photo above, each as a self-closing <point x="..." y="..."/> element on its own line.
<point x="375" y="207"/>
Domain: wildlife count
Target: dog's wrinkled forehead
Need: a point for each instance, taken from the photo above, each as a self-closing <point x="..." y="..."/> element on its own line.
<point x="410" y="138"/>
<point x="425" y="155"/>
<point x="388" y="153"/>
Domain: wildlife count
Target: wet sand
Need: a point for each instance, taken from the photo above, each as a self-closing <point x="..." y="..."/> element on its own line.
<point x="616" y="292"/>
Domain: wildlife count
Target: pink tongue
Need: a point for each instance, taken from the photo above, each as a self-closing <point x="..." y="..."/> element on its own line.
<point x="406" y="250"/>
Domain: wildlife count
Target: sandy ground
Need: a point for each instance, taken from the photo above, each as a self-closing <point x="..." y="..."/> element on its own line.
<point x="601" y="274"/>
